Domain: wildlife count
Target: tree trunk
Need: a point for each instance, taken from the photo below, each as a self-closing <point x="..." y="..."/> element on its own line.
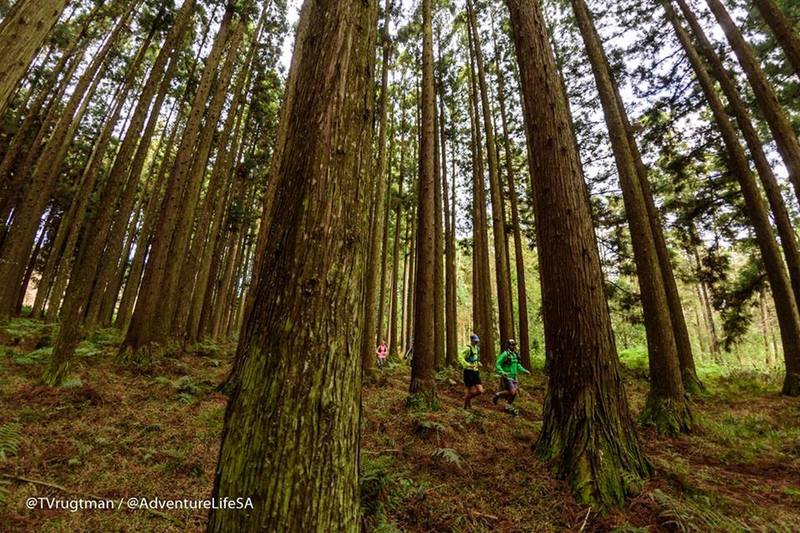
<point x="375" y="248"/>
<point x="502" y="275"/>
<point x="519" y="259"/>
<point x="422" y="381"/>
<point x="588" y="433"/>
<point x="292" y="335"/>
<point x="785" y="304"/>
<point x="438" y="263"/>
<point x="667" y="408"/>
<point x="782" y="30"/>
<point x="707" y="310"/>
<point x="483" y="315"/>
<point x="22" y="33"/>
<point x="766" y="99"/>
<point x="450" y="322"/>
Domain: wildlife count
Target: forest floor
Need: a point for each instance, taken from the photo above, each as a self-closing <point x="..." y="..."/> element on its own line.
<point x="117" y="432"/>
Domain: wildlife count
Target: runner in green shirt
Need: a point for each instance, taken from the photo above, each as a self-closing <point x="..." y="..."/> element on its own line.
<point x="470" y="360"/>
<point x="508" y="367"/>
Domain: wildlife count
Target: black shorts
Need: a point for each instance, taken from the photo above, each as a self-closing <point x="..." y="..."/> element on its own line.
<point x="472" y="378"/>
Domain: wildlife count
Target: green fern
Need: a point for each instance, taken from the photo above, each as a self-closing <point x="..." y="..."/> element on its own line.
<point x="423" y="426"/>
<point x="10" y="437"/>
<point x="448" y="455"/>
<point x="4" y="483"/>
<point x="694" y="514"/>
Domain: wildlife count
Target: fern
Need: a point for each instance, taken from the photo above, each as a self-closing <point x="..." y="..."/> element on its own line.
<point x="428" y="426"/>
<point x="694" y="514"/>
<point x="4" y="483"/>
<point x="10" y="437"/>
<point x="448" y="455"/>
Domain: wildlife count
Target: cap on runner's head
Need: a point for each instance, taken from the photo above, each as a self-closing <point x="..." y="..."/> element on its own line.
<point x="512" y="342"/>
<point x="474" y="338"/>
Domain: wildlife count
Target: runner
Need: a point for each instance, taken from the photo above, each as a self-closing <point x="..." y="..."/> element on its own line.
<point x="508" y="367"/>
<point x="382" y="352"/>
<point x="470" y="360"/>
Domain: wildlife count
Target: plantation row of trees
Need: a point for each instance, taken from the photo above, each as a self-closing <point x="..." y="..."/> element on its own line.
<point x="408" y="178"/>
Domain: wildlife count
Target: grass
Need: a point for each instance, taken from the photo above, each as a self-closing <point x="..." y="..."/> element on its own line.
<point x="118" y="432"/>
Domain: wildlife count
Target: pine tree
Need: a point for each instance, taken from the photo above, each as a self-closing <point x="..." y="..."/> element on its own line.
<point x="423" y="384"/>
<point x="588" y="433"/>
<point x="313" y="258"/>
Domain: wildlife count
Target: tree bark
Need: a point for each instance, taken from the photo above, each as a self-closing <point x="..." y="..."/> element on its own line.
<point x="438" y="263"/>
<point x="588" y="433"/>
<point x="22" y="33"/>
<point x="376" y="250"/>
<point x="422" y="381"/>
<point x="303" y="333"/>
<point x="519" y="259"/>
<point x="782" y="29"/>
<point x="451" y="311"/>
<point x="482" y="309"/>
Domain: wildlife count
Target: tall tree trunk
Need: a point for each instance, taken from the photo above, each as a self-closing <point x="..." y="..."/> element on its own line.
<point x="394" y="338"/>
<point x="411" y="269"/>
<point x="450" y="322"/>
<point x="22" y="33"/>
<point x="588" y="432"/>
<point x="782" y="30"/>
<point x="502" y="275"/>
<point x="438" y="263"/>
<point x="785" y="303"/>
<point x="422" y="380"/>
<point x="483" y="315"/>
<point x="667" y="407"/>
<point x="766" y="99"/>
<point x="313" y="484"/>
<point x="519" y="259"/>
<point x="381" y="329"/>
<point x="375" y="248"/>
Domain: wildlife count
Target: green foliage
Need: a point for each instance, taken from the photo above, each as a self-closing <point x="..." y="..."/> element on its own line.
<point x="10" y="438"/>
<point x="427" y="427"/>
<point x="105" y="337"/>
<point x="448" y="456"/>
<point x="21" y="329"/>
<point x="697" y="513"/>
<point x="35" y="357"/>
